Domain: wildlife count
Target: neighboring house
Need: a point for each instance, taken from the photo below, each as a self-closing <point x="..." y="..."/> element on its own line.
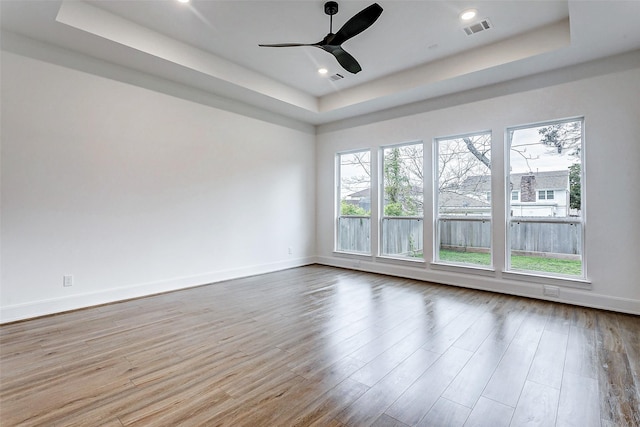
<point x="458" y="204"/>
<point x="540" y="194"/>
<point x="532" y="194"/>
<point x="360" y="198"/>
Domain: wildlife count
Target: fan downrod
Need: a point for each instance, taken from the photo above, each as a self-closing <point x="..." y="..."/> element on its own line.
<point x="331" y="8"/>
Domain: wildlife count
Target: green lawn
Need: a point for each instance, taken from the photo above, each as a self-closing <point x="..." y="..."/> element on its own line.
<point x="466" y="257"/>
<point x="531" y="263"/>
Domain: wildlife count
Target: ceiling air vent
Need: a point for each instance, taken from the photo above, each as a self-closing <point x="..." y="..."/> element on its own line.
<point x="336" y="77"/>
<point x="477" y="27"/>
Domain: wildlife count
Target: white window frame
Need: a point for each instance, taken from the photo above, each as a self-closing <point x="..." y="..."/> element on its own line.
<point x="547" y="277"/>
<point x="381" y="204"/>
<point x="338" y="202"/>
<point x="437" y="218"/>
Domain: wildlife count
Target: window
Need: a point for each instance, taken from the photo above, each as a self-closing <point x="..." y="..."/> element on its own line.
<point x="545" y="235"/>
<point x="463" y="210"/>
<point x="515" y="196"/>
<point x="545" y="195"/>
<point x="354" y="202"/>
<point x="403" y="201"/>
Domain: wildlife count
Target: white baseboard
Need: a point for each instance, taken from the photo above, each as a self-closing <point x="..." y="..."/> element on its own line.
<point x="33" y="309"/>
<point x="581" y="297"/>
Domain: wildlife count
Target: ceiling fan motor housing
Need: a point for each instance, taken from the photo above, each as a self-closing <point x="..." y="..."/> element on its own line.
<point x="331" y="8"/>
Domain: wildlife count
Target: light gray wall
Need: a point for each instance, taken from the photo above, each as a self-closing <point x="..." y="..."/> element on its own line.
<point x="610" y="103"/>
<point x="134" y="192"/>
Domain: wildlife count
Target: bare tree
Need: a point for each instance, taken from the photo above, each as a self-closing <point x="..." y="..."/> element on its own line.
<point x="462" y="162"/>
<point x="360" y="166"/>
<point x="563" y="136"/>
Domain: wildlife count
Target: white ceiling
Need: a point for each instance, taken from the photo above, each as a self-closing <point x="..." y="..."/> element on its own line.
<point x="415" y="51"/>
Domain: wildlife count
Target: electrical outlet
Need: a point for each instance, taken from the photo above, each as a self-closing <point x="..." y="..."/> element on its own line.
<point x="551" y="291"/>
<point x="290" y="250"/>
<point x="67" y="281"/>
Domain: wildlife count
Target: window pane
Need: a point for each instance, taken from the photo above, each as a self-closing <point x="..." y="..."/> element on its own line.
<point x="403" y="201"/>
<point x="403" y="180"/>
<point x="402" y="237"/>
<point x="546" y="231"/>
<point x="465" y="242"/>
<point x="354" y="234"/>
<point x="354" y="225"/>
<point x="464" y="200"/>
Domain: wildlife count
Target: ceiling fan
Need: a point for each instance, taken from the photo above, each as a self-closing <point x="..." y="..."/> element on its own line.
<point x="332" y="43"/>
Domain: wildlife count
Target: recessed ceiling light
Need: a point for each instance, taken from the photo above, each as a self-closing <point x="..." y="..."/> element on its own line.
<point x="323" y="71"/>
<point x="183" y="1"/>
<point x="468" y="14"/>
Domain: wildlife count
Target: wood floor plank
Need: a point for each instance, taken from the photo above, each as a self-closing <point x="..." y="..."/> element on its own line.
<point x="581" y="356"/>
<point x="608" y="333"/>
<point x="386" y="421"/>
<point x="548" y="363"/>
<point x="629" y="327"/>
<point x="509" y="377"/>
<point x="445" y="413"/>
<point x="321" y="346"/>
<point x="621" y="401"/>
<point x="324" y="408"/>
<point x="469" y="384"/>
<point x="560" y="319"/>
<point x="446" y="336"/>
<point x="489" y="413"/>
<point x="374" y="402"/>
<point x="474" y="336"/>
<point x="537" y="406"/>
<point x="418" y="399"/>
<point x="386" y="362"/>
<point x="579" y="404"/>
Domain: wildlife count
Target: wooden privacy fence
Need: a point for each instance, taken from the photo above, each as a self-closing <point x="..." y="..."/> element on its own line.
<point x="465" y="234"/>
<point x="354" y="234"/>
<point x="561" y="237"/>
<point x="404" y="236"/>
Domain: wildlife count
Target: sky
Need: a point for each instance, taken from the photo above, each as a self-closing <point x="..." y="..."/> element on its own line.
<point x="540" y="157"/>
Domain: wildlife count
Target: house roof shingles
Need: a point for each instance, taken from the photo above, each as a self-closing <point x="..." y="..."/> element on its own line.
<point x="551" y="180"/>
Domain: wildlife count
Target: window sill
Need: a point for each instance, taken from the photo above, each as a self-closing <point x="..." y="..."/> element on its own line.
<point x="357" y="255"/>
<point x="398" y="260"/>
<point x="464" y="269"/>
<point x="568" y="282"/>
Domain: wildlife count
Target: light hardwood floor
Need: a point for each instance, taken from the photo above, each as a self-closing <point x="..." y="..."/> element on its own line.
<point x="327" y="347"/>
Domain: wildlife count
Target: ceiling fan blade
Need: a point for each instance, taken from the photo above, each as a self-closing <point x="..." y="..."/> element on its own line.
<point x="357" y="24"/>
<point x="285" y="45"/>
<point x="347" y="61"/>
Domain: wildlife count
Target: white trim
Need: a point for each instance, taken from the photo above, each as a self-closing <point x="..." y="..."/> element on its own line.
<point x="29" y="310"/>
<point x="571" y="282"/>
<point x="464" y="268"/>
<point x="398" y="260"/>
<point x="354" y="255"/>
